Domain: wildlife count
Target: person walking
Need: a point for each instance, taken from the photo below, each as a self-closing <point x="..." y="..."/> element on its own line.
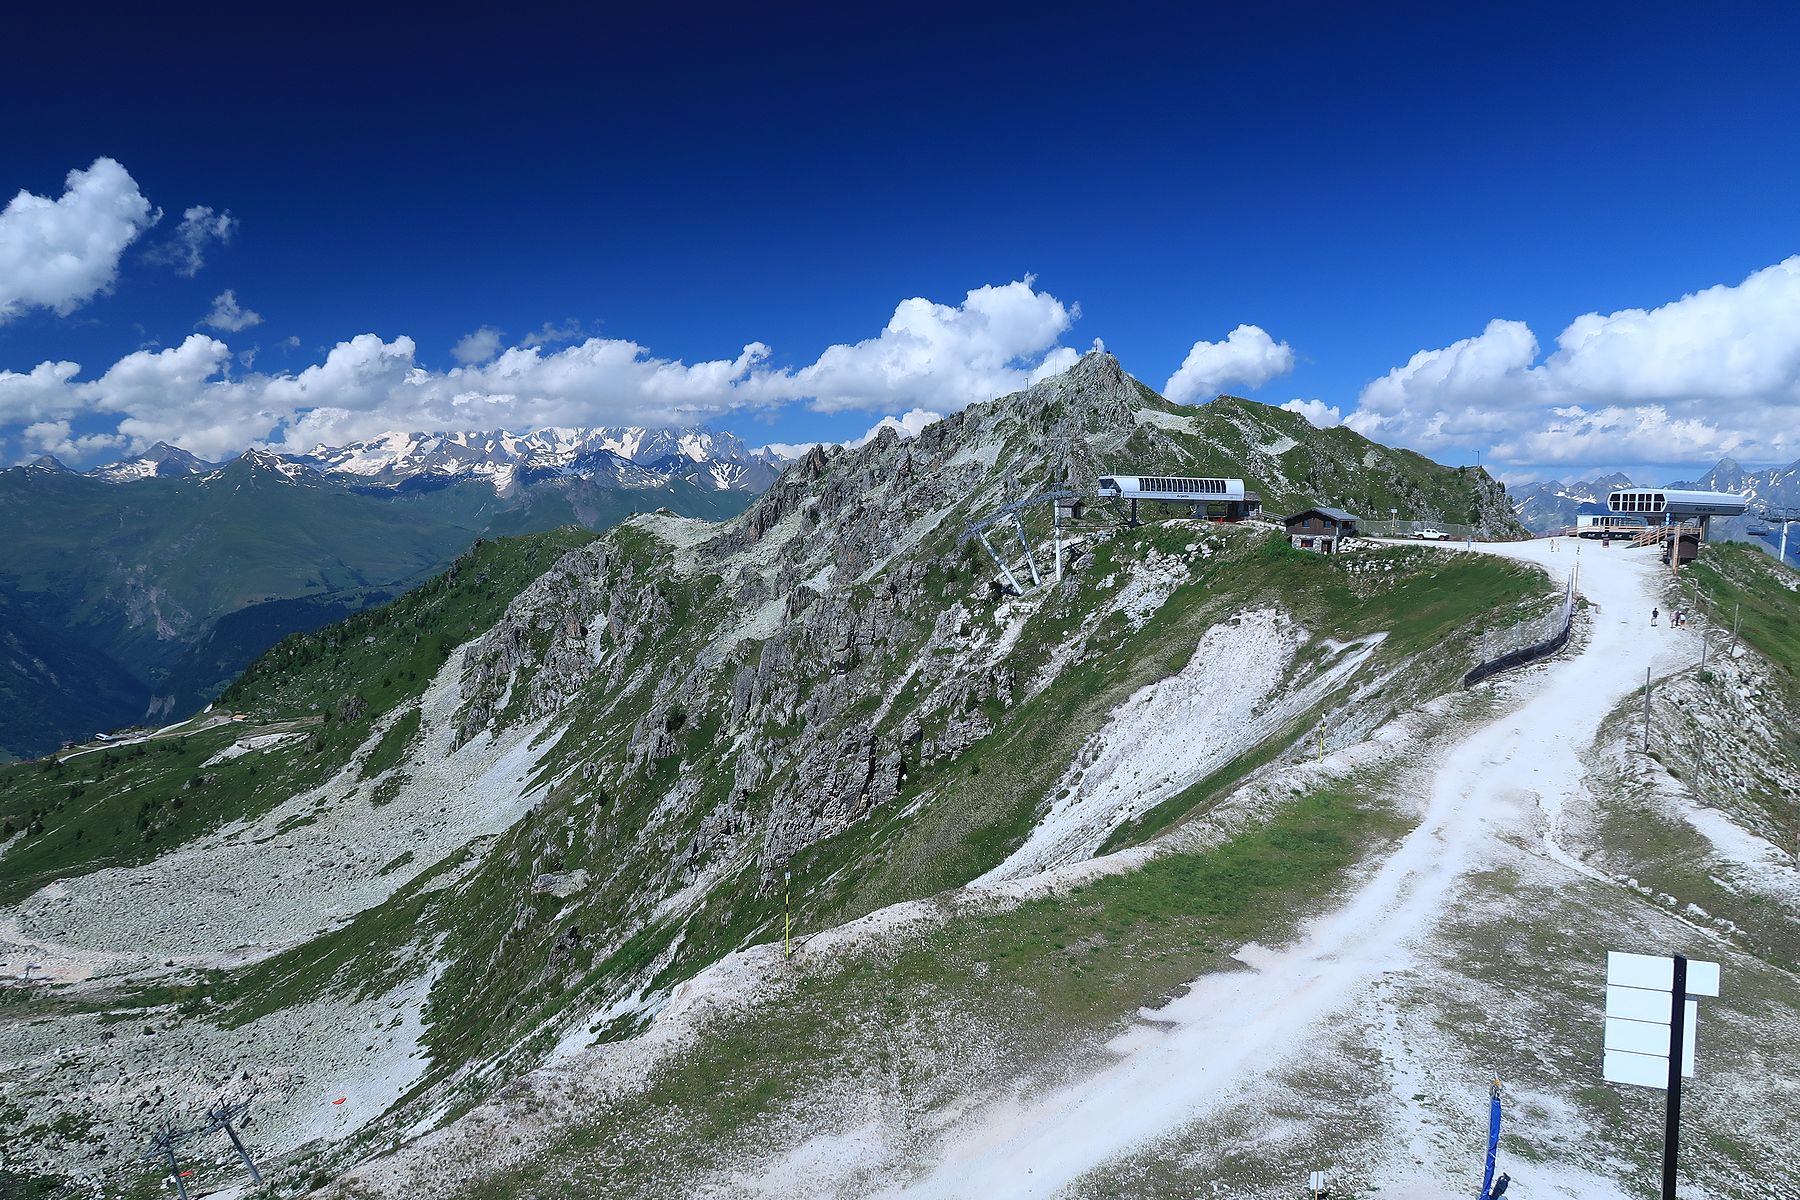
<point x="1653" y="615"/>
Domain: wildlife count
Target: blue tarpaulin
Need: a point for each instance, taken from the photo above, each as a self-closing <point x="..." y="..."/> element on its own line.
<point x="1487" y="1176"/>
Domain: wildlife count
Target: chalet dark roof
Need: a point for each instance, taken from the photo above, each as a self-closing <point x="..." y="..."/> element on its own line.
<point x="1336" y="514"/>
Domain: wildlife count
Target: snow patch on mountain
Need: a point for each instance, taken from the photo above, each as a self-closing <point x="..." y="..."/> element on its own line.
<point x="159" y="461"/>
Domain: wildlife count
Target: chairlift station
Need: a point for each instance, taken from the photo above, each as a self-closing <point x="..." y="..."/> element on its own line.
<point x="1684" y="516"/>
<point x="1212" y="499"/>
<point x="1223" y="499"/>
<point x="1671" y="503"/>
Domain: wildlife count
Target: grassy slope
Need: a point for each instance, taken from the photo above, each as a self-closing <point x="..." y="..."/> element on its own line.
<point x="1740" y="585"/>
<point x="504" y="978"/>
<point x="128" y="805"/>
<point x="995" y="791"/>
<point x="1335" y="466"/>
<point x="1731" y="582"/>
<point x="1041" y="987"/>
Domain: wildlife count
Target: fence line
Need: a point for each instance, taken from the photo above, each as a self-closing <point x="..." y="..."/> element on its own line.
<point x="1563" y="622"/>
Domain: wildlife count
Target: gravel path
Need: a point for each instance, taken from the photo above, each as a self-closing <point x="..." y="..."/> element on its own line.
<point x="1201" y="1051"/>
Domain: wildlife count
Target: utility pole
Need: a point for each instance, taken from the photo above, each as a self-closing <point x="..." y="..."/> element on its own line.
<point x="1019" y="524"/>
<point x="162" y="1148"/>
<point x="222" y="1116"/>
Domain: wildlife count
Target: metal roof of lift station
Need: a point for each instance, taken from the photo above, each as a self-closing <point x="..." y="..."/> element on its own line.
<point x="1677" y="502"/>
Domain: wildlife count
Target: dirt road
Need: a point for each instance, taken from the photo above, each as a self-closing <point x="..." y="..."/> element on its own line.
<point x="1233" y="1028"/>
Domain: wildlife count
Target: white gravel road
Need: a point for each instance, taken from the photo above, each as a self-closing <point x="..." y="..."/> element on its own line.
<point x="1232" y="1029"/>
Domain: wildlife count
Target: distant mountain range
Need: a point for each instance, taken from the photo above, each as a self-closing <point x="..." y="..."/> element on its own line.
<point x="138" y="589"/>
<point x="1553" y="505"/>
<point x="1543" y="506"/>
<point x="623" y="457"/>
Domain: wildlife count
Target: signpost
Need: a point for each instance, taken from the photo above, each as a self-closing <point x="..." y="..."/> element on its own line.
<point x="1651" y="1026"/>
<point x="1315" y="1186"/>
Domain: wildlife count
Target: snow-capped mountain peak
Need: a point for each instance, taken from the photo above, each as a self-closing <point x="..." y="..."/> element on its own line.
<point x="159" y="461"/>
<point x="627" y="457"/>
<point x="624" y="457"/>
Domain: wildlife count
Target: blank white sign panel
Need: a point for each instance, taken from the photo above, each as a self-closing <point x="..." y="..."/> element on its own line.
<point x="1631" y="1044"/>
<point x="1645" y="1070"/>
<point x="1657" y="971"/>
<point x="1637" y="1037"/>
<point x="1636" y="1004"/>
<point x="1703" y="978"/>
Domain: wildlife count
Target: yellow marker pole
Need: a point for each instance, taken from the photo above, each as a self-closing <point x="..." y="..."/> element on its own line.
<point x="1321" y="743"/>
<point x="787" y="914"/>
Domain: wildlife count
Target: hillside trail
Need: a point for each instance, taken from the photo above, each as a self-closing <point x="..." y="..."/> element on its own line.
<point x="1234" y="1028"/>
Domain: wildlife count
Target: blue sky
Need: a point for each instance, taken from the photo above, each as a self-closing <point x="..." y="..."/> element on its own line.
<point x="1360" y="186"/>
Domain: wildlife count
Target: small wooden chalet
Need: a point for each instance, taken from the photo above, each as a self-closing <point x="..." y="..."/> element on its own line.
<point x="1321" y="529"/>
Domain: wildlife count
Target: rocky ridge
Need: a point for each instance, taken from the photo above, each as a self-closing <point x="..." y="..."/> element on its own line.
<point x="834" y="684"/>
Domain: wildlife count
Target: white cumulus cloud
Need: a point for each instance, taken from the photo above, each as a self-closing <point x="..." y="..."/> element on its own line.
<point x="1319" y="413"/>
<point x="227" y="314"/>
<point x="940" y="356"/>
<point x="55" y="438"/>
<point x="476" y="347"/>
<point x="58" y="254"/>
<point x="930" y="359"/>
<point x="200" y="228"/>
<point x="786" y="450"/>
<point x="550" y="335"/>
<point x="907" y="425"/>
<point x="1247" y="358"/>
<point x="1714" y="373"/>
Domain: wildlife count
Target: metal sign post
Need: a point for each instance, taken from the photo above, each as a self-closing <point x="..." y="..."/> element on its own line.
<point x="1678" y="1003"/>
<point x="1651" y="1025"/>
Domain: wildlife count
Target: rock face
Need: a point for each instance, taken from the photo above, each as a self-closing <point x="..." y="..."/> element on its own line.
<point x="826" y="579"/>
<point x="841" y="655"/>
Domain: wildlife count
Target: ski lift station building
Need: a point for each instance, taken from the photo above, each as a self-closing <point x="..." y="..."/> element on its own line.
<point x="1676" y="504"/>
<point x="1668" y="511"/>
<point x="1221" y="499"/>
